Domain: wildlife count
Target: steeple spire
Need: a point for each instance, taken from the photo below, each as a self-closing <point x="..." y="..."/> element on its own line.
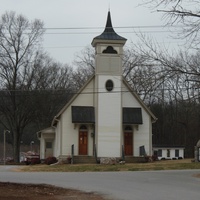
<point x="108" y="33"/>
<point x="109" y="28"/>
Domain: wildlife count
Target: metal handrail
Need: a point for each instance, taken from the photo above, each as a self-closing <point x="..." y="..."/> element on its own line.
<point x="72" y="154"/>
<point x="123" y="154"/>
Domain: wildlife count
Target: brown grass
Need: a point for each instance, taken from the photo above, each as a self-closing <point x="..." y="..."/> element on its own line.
<point x="157" y="165"/>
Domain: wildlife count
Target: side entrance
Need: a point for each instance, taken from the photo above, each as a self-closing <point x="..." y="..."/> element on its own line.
<point x="128" y="142"/>
<point x="83" y="141"/>
<point x="48" y="148"/>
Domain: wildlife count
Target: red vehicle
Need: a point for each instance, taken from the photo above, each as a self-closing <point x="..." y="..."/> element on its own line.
<point x="31" y="159"/>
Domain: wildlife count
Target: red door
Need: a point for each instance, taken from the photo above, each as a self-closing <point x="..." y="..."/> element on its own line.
<point x="128" y="143"/>
<point x="83" y="142"/>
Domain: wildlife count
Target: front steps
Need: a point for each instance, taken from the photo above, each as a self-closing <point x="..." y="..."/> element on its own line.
<point x="92" y="160"/>
<point x="84" y="160"/>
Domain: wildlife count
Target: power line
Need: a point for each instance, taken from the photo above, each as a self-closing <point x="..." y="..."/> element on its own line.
<point x="87" y="33"/>
<point x="121" y="27"/>
<point x="76" y="31"/>
<point x="117" y="27"/>
<point x="91" y="92"/>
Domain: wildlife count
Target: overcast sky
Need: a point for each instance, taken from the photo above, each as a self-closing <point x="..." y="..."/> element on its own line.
<point x="64" y="44"/>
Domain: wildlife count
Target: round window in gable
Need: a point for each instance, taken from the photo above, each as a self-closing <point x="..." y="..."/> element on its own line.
<point x="109" y="85"/>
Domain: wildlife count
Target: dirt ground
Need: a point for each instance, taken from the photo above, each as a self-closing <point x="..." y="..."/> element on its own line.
<point x="10" y="191"/>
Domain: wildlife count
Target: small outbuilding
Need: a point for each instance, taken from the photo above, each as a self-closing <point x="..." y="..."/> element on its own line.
<point x="197" y="152"/>
<point x="168" y="152"/>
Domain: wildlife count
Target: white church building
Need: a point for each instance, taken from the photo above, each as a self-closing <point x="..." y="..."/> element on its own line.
<point x="106" y="118"/>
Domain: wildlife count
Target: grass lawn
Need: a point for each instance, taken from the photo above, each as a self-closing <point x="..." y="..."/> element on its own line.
<point x="157" y="165"/>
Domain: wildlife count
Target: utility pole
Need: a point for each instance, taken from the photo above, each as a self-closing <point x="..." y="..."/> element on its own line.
<point x="4" y="144"/>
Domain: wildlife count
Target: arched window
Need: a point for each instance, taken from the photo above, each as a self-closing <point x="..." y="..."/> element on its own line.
<point x="110" y="49"/>
<point x="83" y="127"/>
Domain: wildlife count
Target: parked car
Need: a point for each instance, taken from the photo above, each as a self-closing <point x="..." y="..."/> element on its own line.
<point x="31" y="158"/>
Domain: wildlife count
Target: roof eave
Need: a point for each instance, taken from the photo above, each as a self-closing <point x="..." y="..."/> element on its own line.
<point x="96" y="41"/>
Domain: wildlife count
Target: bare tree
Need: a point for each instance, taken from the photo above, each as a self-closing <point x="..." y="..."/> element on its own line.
<point x="84" y="65"/>
<point x="19" y="44"/>
<point x="186" y="14"/>
<point x="183" y="62"/>
<point x="51" y="88"/>
<point x="170" y="82"/>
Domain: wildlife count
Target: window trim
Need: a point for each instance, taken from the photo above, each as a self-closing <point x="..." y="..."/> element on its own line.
<point x="109" y="85"/>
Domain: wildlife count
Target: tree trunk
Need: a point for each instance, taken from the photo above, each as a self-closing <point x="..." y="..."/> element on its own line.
<point x="16" y="147"/>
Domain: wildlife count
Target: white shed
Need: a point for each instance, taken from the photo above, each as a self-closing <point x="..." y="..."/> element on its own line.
<point x="168" y="152"/>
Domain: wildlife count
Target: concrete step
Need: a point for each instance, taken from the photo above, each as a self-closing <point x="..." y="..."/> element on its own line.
<point x="84" y="160"/>
<point x="92" y="160"/>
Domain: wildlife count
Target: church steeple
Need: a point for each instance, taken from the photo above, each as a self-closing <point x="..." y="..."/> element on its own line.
<point x="108" y="51"/>
<point x="108" y="33"/>
<point x="108" y="90"/>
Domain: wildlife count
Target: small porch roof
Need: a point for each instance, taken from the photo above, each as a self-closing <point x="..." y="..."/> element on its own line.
<point x="132" y="116"/>
<point x="86" y="114"/>
<point x="50" y="131"/>
<point x="83" y="114"/>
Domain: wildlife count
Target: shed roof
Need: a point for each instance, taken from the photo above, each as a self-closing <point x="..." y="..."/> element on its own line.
<point x="165" y="146"/>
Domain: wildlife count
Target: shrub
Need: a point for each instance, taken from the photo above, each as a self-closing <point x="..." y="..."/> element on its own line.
<point x="154" y="157"/>
<point x="51" y="160"/>
<point x="35" y="161"/>
<point x="148" y="159"/>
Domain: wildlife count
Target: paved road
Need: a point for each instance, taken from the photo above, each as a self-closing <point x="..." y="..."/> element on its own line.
<point x="153" y="185"/>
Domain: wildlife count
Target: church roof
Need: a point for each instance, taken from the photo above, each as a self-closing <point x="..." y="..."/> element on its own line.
<point x="109" y="33"/>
